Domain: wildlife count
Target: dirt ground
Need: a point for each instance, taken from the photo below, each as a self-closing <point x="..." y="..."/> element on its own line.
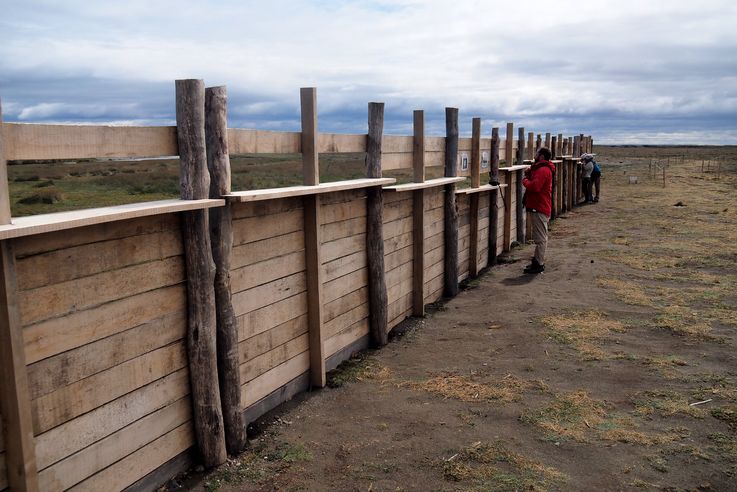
<point x="582" y="378"/>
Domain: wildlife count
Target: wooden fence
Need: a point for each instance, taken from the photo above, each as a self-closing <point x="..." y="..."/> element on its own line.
<point x="127" y="353"/>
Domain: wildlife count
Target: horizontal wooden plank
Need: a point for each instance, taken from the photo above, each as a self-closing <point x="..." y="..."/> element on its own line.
<point x="267" y="317"/>
<point x="138" y="464"/>
<point x="81" y="261"/>
<point x="264" y="295"/>
<point x="346" y="337"/>
<point x="343" y="196"/>
<point x="344" y="304"/>
<point x="480" y="189"/>
<point x="340" y="212"/>
<point x="80" y="294"/>
<point x="72" y="436"/>
<point x="430" y="183"/>
<point x="345" y="265"/>
<point x="343" y="247"/>
<point x="301" y="190"/>
<point x="38" y="141"/>
<point x="266" y="207"/>
<point x="259" y="387"/>
<point x="247" y="141"/>
<point x="253" y="229"/>
<point x="273" y="358"/>
<point x="345" y="320"/>
<point x="398" y="209"/>
<point x="68" y="367"/>
<point x="61" y="334"/>
<point x="400" y="290"/>
<point x="51" y="241"/>
<point x="335" y="143"/>
<point x="264" y="249"/>
<point x="270" y="339"/>
<point x="397" y="258"/>
<point x="397" y="242"/>
<point x="61" y="221"/>
<point x="82" y="396"/>
<point x="343" y="285"/>
<point x="394" y="161"/>
<point x="267" y="271"/>
<point x="397" y="143"/>
<point x="346" y="228"/>
<point x="118" y="445"/>
<point x="398" y="227"/>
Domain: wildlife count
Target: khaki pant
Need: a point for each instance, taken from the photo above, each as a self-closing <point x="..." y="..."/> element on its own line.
<point x="540" y="235"/>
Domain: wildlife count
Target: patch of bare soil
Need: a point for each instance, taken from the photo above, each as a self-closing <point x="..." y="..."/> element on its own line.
<point x="615" y="369"/>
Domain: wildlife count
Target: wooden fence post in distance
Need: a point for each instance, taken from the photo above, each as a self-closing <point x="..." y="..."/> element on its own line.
<point x="418" y="216"/>
<point x="473" y="248"/>
<point x="494" y="198"/>
<point x="201" y="319"/>
<point x="378" y="304"/>
<point x="313" y="236"/>
<point x="450" y="274"/>
<point x="221" y="236"/>
<point x="509" y="145"/>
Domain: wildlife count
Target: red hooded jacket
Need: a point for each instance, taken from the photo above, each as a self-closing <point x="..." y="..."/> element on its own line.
<point x="539" y="185"/>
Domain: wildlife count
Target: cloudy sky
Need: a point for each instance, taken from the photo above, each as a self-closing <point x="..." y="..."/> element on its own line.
<point x="625" y="71"/>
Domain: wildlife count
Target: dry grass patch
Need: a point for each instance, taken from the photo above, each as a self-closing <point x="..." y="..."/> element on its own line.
<point x="577" y="417"/>
<point x="665" y="404"/>
<point x="582" y="330"/>
<point x="508" y="388"/>
<point x="666" y="365"/>
<point x="683" y="321"/>
<point x="629" y="292"/>
<point x="491" y="467"/>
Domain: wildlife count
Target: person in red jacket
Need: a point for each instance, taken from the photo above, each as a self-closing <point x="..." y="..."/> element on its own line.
<point x="538" y="183"/>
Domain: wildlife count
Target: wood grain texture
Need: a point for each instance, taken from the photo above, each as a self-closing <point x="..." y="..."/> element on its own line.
<point x="520" y="208"/>
<point x="310" y="162"/>
<point x="4" y="190"/>
<point x="476" y="152"/>
<point x="509" y="145"/>
<point x="221" y="238"/>
<point x="418" y="146"/>
<point x="378" y="332"/>
<point x="303" y="190"/>
<point x="202" y="319"/>
<point x="473" y="249"/>
<point x="15" y="404"/>
<point x="315" y="296"/>
<point x="243" y="141"/>
<point x="25" y="141"/>
<point x="450" y="229"/>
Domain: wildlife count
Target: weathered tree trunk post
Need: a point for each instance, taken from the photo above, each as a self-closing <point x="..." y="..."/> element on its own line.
<point x="548" y="142"/>
<point x="564" y="145"/>
<point x="576" y="146"/>
<point x="509" y="145"/>
<point x="221" y="236"/>
<point x="494" y="198"/>
<point x="559" y="148"/>
<point x="450" y="274"/>
<point x="538" y="142"/>
<point x="201" y="319"/>
<point x="473" y="247"/>
<point x="554" y="146"/>
<point x="530" y="146"/>
<point x="564" y="184"/>
<point x="520" y="190"/>
<point x="378" y="304"/>
<point x="418" y="216"/>
<point x="313" y="236"/>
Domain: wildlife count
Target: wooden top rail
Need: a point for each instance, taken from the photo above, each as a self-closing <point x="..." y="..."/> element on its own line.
<point x="482" y="188"/>
<point x="514" y="168"/>
<point x="38" y="224"/>
<point x="430" y="183"/>
<point x="271" y="193"/>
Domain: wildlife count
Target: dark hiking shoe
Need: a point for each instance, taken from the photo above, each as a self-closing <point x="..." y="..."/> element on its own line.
<point x="534" y="267"/>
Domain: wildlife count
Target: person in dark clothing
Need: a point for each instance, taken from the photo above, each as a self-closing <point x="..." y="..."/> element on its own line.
<point x="596" y="180"/>
<point x="538" y="183"/>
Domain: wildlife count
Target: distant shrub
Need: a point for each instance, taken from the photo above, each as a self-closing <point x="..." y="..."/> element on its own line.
<point x="45" y="195"/>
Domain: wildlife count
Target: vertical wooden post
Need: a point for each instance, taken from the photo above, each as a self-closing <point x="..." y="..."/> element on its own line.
<point x="554" y="146"/>
<point x="418" y="216"/>
<point x="519" y="190"/>
<point x="538" y="142"/>
<point x="559" y="148"/>
<point x="313" y="236"/>
<point x="509" y="145"/>
<point x="493" y="199"/>
<point x="507" y="196"/>
<point x="221" y="237"/>
<point x="548" y="142"/>
<point x="564" y="185"/>
<point x="15" y="400"/>
<point x="521" y="215"/>
<point x="530" y="145"/>
<point x="4" y="189"/>
<point x="591" y="144"/>
<point x="564" y="147"/>
<point x="378" y="305"/>
<point x="451" y="213"/>
<point x="201" y="320"/>
<point x="473" y="247"/>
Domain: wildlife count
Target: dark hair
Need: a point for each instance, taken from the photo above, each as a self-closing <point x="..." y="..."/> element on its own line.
<point x="545" y="153"/>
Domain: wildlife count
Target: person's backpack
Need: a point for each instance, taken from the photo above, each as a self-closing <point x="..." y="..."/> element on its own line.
<point x="597" y="169"/>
